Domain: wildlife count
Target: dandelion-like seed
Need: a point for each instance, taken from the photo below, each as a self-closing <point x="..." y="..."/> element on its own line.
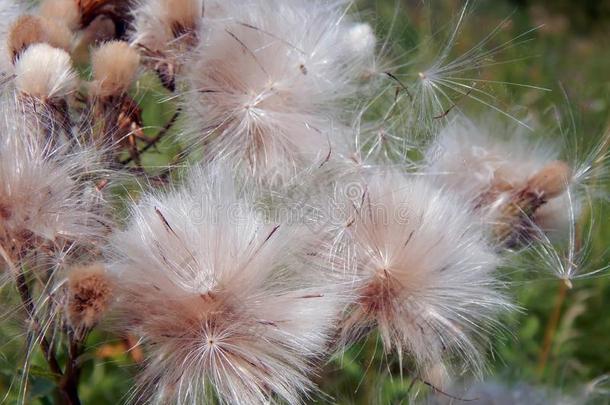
<point x="441" y="85"/>
<point x="424" y="275"/>
<point x="226" y="303"/>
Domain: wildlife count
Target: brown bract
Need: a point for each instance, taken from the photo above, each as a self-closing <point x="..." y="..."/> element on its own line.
<point x="30" y="29"/>
<point x="117" y="10"/>
<point x="552" y="180"/>
<point x="64" y="11"/>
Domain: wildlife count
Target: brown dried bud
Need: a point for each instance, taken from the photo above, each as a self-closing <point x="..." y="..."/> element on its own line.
<point x="114" y="68"/>
<point x="183" y="15"/>
<point x="551" y="181"/>
<point x="89" y="293"/>
<point x="65" y="11"/>
<point x="29" y="29"/>
<point x="117" y="10"/>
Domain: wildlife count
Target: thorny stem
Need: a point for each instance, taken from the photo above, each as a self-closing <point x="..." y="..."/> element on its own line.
<point x="156" y="139"/>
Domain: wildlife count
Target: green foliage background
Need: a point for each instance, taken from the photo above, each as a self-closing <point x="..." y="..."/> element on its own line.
<point x="570" y="55"/>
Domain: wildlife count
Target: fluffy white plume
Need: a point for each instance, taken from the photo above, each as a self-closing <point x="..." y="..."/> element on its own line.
<point x="495" y="169"/>
<point x="158" y="24"/>
<point x="165" y="30"/>
<point x="361" y="39"/>
<point x="424" y="272"/>
<point x="45" y="72"/>
<point x="227" y="304"/>
<point x="269" y="83"/>
<point x="46" y="198"/>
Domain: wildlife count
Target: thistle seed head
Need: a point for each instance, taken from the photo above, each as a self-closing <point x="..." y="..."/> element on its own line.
<point x="45" y="73"/>
<point x="89" y="293"/>
<point x="114" y="67"/>
<point x="31" y="29"/>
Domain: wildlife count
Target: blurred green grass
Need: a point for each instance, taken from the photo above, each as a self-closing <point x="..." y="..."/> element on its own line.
<point x="570" y="53"/>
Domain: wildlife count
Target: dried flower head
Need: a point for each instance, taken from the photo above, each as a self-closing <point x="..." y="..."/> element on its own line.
<point x="65" y="12"/>
<point x="31" y="29"/>
<point x="116" y="10"/>
<point x="44" y="72"/>
<point x="158" y="23"/>
<point x="512" y="184"/>
<point x="424" y="273"/>
<point x="269" y="82"/>
<point x="9" y="11"/>
<point x="46" y="198"/>
<point x="165" y="30"/>
<point x="225" y="302"/>
<point x="114" y="67"/>
<point x="89" y="291"/>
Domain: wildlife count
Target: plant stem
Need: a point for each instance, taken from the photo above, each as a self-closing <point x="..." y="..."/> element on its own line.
<point x="68" y="391"/>
<point x="28" y="304"/>
<point x="551" y="327"/>
<point x="157" y="138"/>
<point x="69" y="381"/>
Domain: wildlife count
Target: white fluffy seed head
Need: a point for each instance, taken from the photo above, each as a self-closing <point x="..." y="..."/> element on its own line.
<point x="361" y="40"/>
<point x="47" y="199"/>
<point x="424" y="272"/>
<point x="114" y="66"/>
<point x="45" y="72"/>
<point x="159" y="24"/>
<point x="269" y="83"/>
<point x="226" y="303"/>
<point x="494" y="172"/>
